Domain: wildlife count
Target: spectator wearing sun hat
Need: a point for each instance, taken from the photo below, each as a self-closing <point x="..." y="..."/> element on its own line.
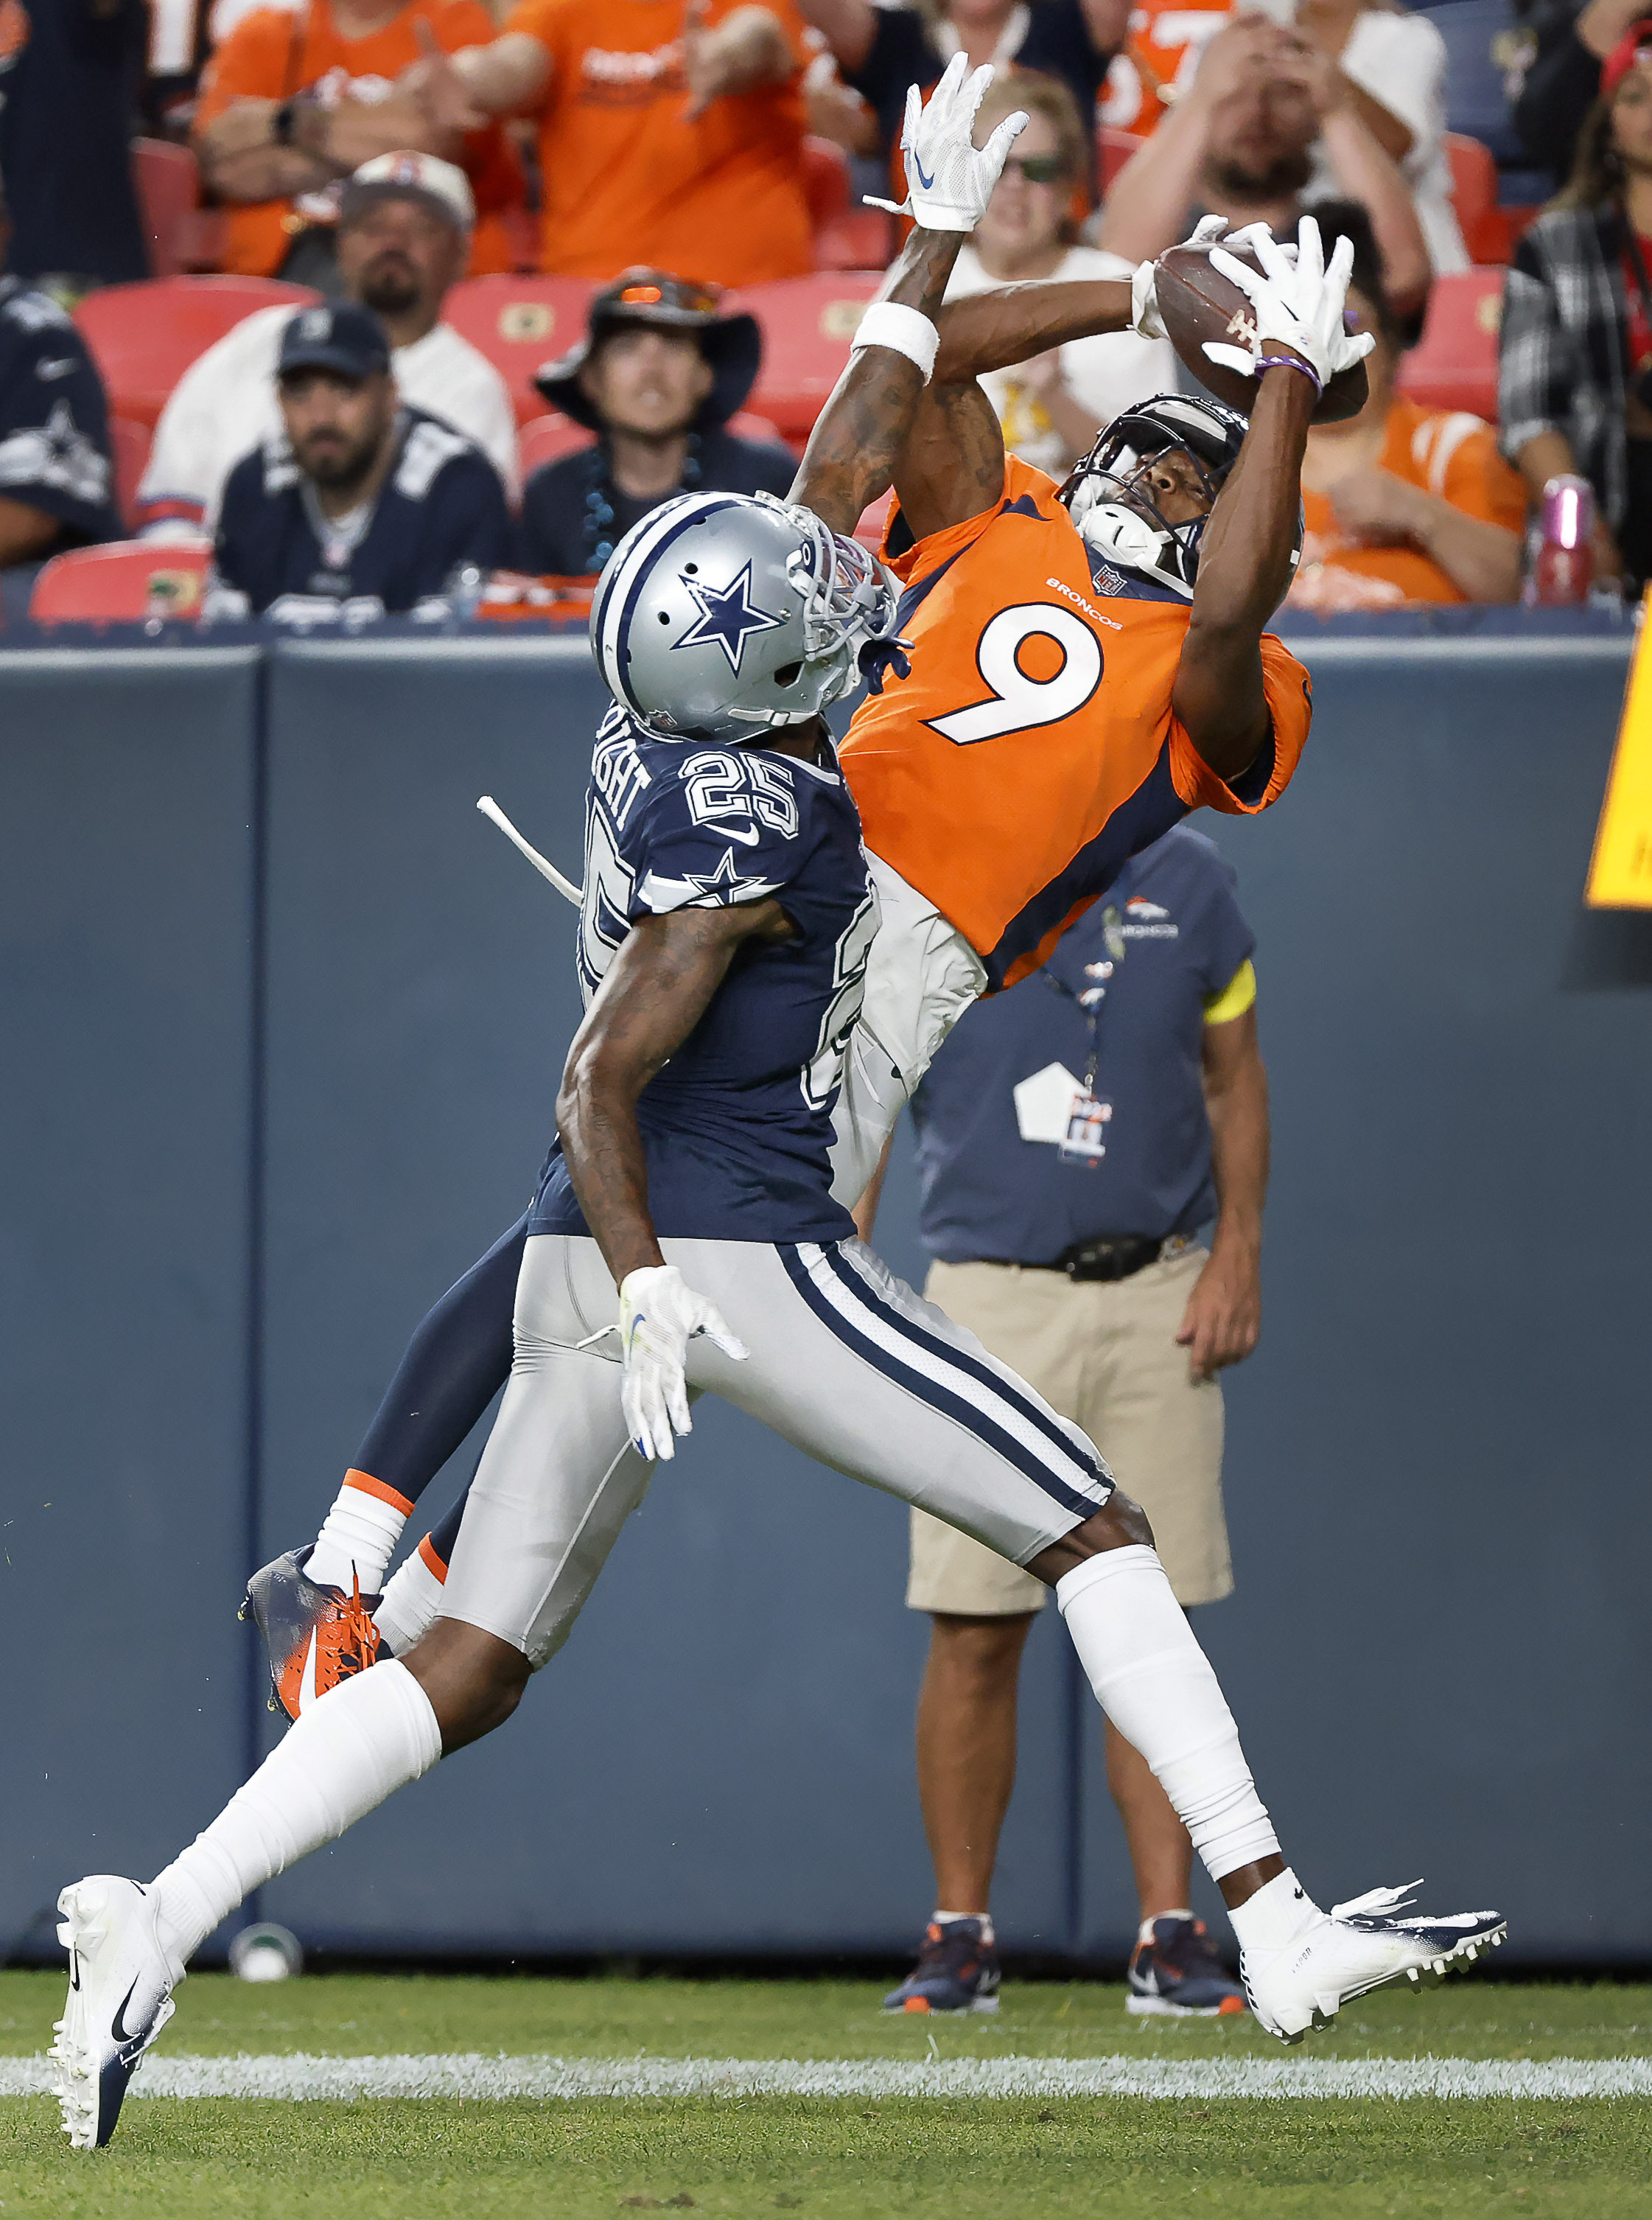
<point x="657" y="376"/>
<point x="404" y="230"/>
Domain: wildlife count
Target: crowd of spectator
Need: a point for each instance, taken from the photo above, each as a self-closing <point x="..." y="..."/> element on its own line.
<point x="381" y="151"/>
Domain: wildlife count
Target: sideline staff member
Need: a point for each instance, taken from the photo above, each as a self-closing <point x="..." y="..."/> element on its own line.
<point x="1073" y="1137"/>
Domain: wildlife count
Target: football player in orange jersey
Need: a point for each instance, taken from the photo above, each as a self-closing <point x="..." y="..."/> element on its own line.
<point x="998" y="796"/>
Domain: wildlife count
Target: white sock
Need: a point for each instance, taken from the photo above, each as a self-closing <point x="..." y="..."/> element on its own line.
<point x="1155" y="1684"/>
<point x="940" y="1919"/>
<point x="412" y="1600"/>
<point x="371" y="1734"/>
<point x="1273" y="1918"/>
<point x="358" y="1535"/>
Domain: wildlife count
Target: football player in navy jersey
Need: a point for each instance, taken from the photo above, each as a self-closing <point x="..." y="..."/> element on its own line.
<point x="685" y="1236"/>
<point x="363" y="499"/>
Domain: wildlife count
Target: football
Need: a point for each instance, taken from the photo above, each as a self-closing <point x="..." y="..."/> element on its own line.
<point x="1198" y="303"/>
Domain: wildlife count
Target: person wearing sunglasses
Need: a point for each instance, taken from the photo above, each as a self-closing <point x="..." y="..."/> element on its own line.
<point x="1052" y="409"/>
<point x="880" y="49"/>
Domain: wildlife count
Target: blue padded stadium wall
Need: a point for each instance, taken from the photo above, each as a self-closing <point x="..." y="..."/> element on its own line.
<point x="287" y="1016"/>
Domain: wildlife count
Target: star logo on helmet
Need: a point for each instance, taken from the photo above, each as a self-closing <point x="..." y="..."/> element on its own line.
<point x="728" y="616"/>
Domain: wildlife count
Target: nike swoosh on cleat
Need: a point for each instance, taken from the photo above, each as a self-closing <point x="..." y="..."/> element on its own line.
<point x="129" y="2046"/>
<point x="307" y="1684"/>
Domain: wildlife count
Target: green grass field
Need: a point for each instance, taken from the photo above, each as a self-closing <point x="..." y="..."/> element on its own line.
<point x="560" y="2159"/>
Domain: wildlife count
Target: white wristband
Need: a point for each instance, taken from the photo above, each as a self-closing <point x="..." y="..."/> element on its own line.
<point x="908" y="331"/>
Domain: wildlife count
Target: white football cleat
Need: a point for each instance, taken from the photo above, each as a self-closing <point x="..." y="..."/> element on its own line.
<point x="1354" y="1947"/>
<point x="120" y="1989"/>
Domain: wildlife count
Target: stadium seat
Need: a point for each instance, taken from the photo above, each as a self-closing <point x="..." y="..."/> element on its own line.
<point x="807" y="323"/>
<point x="122" y="583"/>
<point x="846" y="237"/>
<point x="875" y="521"/>
<point x="1453" y="364"/>
<point x="169" y="193"/>
<point x="131" y="444"/>
<point x="144" y="337"/>
<point x="1479" y="39"/>
<point x="1473" y="195"/>
<point x="520" y="324"/>
<point x="1114" y="148"/>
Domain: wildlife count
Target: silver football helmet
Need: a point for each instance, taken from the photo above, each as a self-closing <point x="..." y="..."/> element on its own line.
<point x="721" y="613"/>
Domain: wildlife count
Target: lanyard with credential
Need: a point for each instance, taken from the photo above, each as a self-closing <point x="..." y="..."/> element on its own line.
<point x="1085" y="1142"/>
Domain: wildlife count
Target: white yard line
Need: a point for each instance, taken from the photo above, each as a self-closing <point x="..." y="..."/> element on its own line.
<point x="303" y="2079"/>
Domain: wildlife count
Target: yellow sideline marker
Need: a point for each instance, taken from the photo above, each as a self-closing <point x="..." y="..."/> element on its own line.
<point x="1620" y="872"/>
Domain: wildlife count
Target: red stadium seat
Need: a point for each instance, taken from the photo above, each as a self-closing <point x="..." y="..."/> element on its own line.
<point x="144" y="337"/>
<point x="807" y="323"/>
<point x="169" y="193"/>
<point x="846" y="236"/>
<point x="547" y="439"/>
<point x="1453" y="364"/>
<point x="875" y="521"/>
<point x="122" y="583"/>
<point x="131" y="444"/>
<point x="1473" y="195"/>
<point x="1114" y="148"/>
<point x="520" y="324"/>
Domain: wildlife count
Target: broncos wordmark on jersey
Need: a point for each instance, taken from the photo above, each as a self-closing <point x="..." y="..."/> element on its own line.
<point x="737" y="1127"/>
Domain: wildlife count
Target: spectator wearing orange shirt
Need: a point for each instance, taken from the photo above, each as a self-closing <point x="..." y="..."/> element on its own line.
<point x="299" y="97"/>
<point x="1402" y="503"/>
<point x="669" y="134"/>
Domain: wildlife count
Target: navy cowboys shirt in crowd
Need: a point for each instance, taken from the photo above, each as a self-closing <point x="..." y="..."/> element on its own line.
<point x="1167" y="939"/>
<point x="441" y="506"/>
<point x="55" y="452"/>
<point x="737" y="1127"/>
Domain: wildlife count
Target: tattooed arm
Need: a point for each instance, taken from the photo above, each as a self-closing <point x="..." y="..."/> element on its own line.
<point x="851" y="450"/>
<point x="655" y="992"/>
<point x="952" y="465"/>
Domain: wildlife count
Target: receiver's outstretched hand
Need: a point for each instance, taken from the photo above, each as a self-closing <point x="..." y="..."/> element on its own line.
<point x="1298" y="306"/>
<point x="949" y="179"/>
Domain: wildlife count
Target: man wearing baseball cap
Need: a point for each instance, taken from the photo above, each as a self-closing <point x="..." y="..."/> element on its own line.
<point x="404" y="232"/>
<point x="657" y="376"/>
<point x="358" y="498"/>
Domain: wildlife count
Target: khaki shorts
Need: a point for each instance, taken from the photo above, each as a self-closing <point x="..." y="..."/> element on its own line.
<point x="1104" y="1353"/>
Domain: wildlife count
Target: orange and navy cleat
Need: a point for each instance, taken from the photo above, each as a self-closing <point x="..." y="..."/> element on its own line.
<point x="958" y="1970"/>
<point x="316" y="1637"/>
<point x="1176" y="1974"/>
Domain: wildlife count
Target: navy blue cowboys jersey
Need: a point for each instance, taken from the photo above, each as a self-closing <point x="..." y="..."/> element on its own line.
<point x="54" y="453"/>
<point x="737" y="1127"/>
<point x="441" y="505"/>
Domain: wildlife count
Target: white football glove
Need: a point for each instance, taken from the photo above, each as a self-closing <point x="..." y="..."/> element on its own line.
<point x="949" y="180"/>
<point x="660" y="1316"/>
<point x="1299" y="307"/>
<point x="1144" y="301"/>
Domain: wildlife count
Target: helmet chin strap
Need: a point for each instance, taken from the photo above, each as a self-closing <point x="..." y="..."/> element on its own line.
<point x="1127" y="538"/>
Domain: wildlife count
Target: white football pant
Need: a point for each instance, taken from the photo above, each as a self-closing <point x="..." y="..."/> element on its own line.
<point x="846" y="1362"/>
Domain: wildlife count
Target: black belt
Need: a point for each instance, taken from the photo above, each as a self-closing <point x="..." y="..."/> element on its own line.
<point x="1117" y="1258"/>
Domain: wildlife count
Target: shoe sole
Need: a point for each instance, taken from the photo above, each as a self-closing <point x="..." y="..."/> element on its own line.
<point x="1461" y="1955"/>
<point x="941" y="2012"/>
<point x="1161" y="2008"/>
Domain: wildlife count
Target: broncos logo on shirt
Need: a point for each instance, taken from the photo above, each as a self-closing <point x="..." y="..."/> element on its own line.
<point x="1020" y="744"/>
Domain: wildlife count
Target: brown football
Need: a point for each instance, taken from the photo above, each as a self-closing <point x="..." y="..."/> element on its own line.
<point x="1198" y="303"/>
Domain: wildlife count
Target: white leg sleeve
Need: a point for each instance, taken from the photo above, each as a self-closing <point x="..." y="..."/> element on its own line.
<point x="1155" y="1684"/>
<point x="351" y="1748"/>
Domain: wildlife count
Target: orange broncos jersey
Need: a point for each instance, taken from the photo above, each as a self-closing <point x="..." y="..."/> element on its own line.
<point x="1024" y="747"/>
